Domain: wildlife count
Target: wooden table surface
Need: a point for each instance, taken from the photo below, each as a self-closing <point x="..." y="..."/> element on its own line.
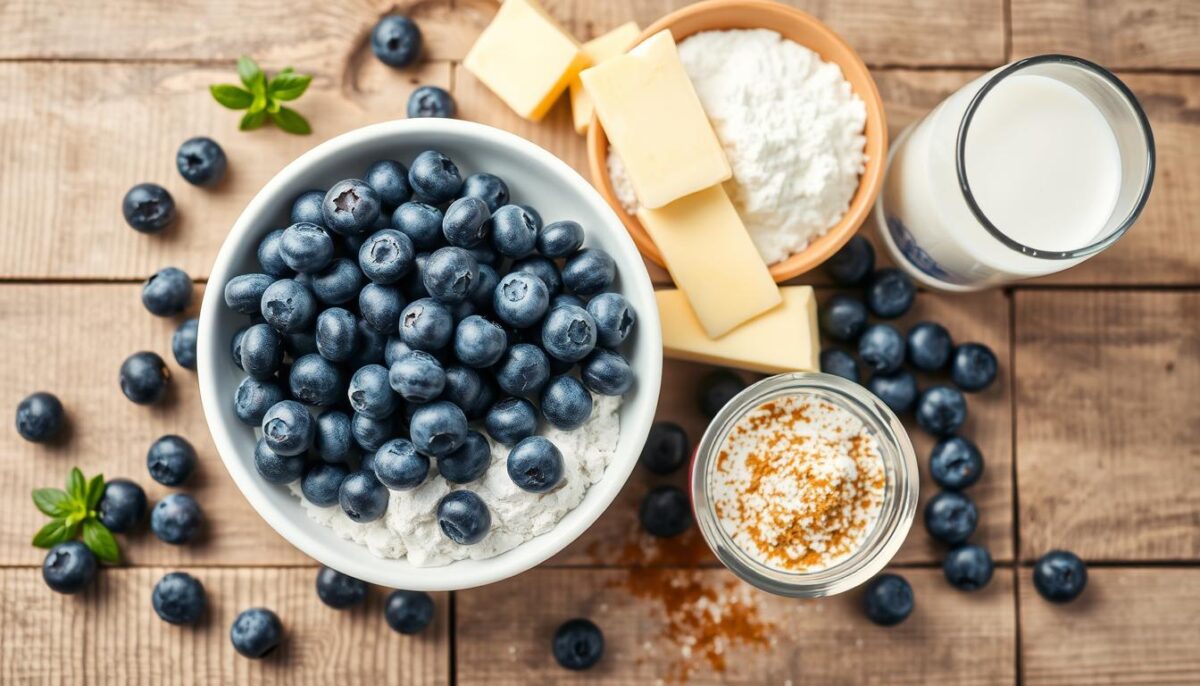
<point x="1091" y="436"/>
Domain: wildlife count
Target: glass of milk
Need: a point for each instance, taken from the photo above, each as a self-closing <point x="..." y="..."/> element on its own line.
<point x="1028" y="170"/>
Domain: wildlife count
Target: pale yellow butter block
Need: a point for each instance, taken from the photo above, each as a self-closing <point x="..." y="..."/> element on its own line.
<point x="653" y="118"/>
<point x="782" y="339"/>
<point x="712" y="259"/>
<point x="599" y="50"/>
<point x="526" y="58"/>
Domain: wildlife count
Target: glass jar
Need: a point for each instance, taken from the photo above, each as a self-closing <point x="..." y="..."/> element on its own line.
<point x="899" y="498"/>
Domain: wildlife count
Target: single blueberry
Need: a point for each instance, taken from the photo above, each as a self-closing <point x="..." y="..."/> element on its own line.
<point x="144" y="377"/>
<point x="589" y="271"/>
<point x="511" y="420"/>
<point x="256" y="632"/>
<point x="171" y="460"/>
<point x="362" y="497"/>
<point x="269" y="257"/>
<point x="537" y="217"/>
<point x="201" y="161"/>
<point x="417" y="376"/>
<point x="369" y="433"/>
<point x="881" y="348"/>
<point x="897" y="390"/>
<point x="148" y="208"/>
<point x="261" y="350"/>
<point x="421" y="223"/>
<point x="665" y="512"/>
<point x="614" y="318"/>
<point x="386" y="256"/>
<point x="929" y="346"/>
<point x="466" y="222"/>
<point x="306" y="248"/>
<point x="489" y="188"/>
<point x="370" y="393"/>
<point x="469" y="462"/>
<point x="955" y="463"/>
<point x="399" y="466"/>
<point x="176" y="519"/>
<point x="950" y="517"/>
<point x="122" y="506"/>
<point x="40" y="417"/>
<point x="168" y="292"/>
<point x="578" y="644"/>
<point x="523" y="370"/>
<point x="463" y="517"/>
<point x="565" y="403"/>
<point x="333" y="440"/>
<point x="380" y="307"/>
<point x="843" y="318"/>
<point x="435" y="177"/>
<point x="606" y="372"/>
<point x="393" y="350"/>
<point x="389" y="178"/>
<point x="464" y="387"/>
<point x="178" y="598"/>
<point x="339" y="283"/>
<point x="426" y="324"/>
<point x="667" y="448"/>
<point x="235" y="346"/>
<point x="430" y="101"/>
<point x="338" y="590"/>
<point x="850" y="265"/>
<point x="69" y="567"/>
<point x="183" y="343"/>
<point x="543" y="268"/>
<point x="840" y="363"/>
<point x="307" y="207"/>
<point x="336" y="334"/>
<point x="890" y="293"/>
<point x="973" y="367"/>
<point x="351" y="207"/>
<point x="1059" y="576"/>
<point x="560" y="239"/>
<point x="521" y="300"/>
<point x="968" y="567"/>
<point x="316" y="381"/>
<point x="514" y="233"/>
<point x="396" y="40"/>
<point x="253" y="398"/>
<point x="244" y="293"/>
<point x="408" y="612"/>
<point x="888" y="600"/>
<point x="569" y="333"/>
<point x="941" y="410"/>
<point x="275" y="468"/>
<point x="288" y="306"/>
<point x="438" y="428"/>
<point x="288" y="428"/>
<point x="450" y="274"/>
<point x="717" y="388"/>
<point x="535" y="465"/>
<point x="479" y="342"/>
<point x="322" y="481"/>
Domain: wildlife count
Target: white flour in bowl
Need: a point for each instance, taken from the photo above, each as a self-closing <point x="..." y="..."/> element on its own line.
<point x="791" y="126"/>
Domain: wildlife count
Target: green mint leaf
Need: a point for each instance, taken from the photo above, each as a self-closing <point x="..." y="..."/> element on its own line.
<point x="76" y="486"/>
<point x="250" y="73"/>
<point x="229" y="95"/>
<point x="97" y="537"/>
<point x="55" y="532"/>
<point x="261" y="101"/>
<point x="291" y="121"/>
<point x="253" y="120"/>
<point x="287" y="70"/>
<point x="76" y="517"/>
<point x="52" y="502"/>
<point x="288" y="86"/>
<point x="95" y="489"/>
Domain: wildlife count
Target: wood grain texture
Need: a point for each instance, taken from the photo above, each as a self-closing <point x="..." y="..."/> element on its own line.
<point x="1107" y="431"/>
<point x="950" y="638"/>
<point x="110" y="634"/>
<point x="1130" y="626"/>
<point x="1119" y="34"/>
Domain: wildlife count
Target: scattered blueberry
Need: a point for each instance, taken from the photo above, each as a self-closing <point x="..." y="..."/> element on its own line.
<point x="122" y="506"/>
<point x="973" y="367"/>
<point x="468" y="463"/>
<point x="350" y="207"/>
<point x="950" y="517"/>
<point x="171" y="460"/>
<point x="535" y="465"/>
<point x="890" y="293"/>
<point x="275" y="468"/>
<point x="606" y="372"/>
<point x="667" y="448"/>
<point x="968" y="567"/>
<point x="489" y="188"/>
<point x="566" y="404"/>
<point x="183" y="343"/>
<point x="362" y="497"/>
<point x="168" y="292"/>
<point x="1059" y="576"/>
<point x="148" y="208"/>
<point x="850" y="265"/>
<point x="840" y="363"/>
<point x="888" y="600"/>
<point x="578" y="644"/>
<point x="144" y="377"/>
<point x="338" y="590"/>
<point x="560" y="239"/>
<point x="843" y="318"/>
<point x="897" y="390"/>
<point x="178" y="598"/>
<point x="941" y="410"/>
<point x="176" y="518"/>
<point x="201" y="161"/>
<point x="288" y="428"/>
<point x="717" y="388"/>
<point x="40" y="417"/>
<point x="435" y="177"/>
<point x="396" y="40"/>
<point x="430" y="101"/>
<point x="408" y="612"/>
<point x="69" y="567"/>
<point x="588" y="272"/>
<point x="955" y="463"/>
<point x="463" y="517"/>
<point x="256" y="632"/>
<point x="438" y="428"/>
<point x="665" y="512"/>
<point x="511" y="420"/>
<point x="929" y="346"/>
<point x="881" y="348"/>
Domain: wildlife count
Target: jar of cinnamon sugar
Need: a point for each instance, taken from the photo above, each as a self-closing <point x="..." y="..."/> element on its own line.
<point x="805" y="485"/>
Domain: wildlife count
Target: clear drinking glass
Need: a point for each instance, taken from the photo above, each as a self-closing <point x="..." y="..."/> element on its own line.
<point x="929" y="213"/>
<point x="895" y="515"/>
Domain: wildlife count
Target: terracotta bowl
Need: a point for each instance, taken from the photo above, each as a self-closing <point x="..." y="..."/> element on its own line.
<point x="806" y="30"/>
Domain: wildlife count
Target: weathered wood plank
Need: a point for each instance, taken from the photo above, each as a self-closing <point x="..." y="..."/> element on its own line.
<point x="657" y="627"/>
<point x="1131" y="626"/>
<point x="1108" y="463"/>
<point x="110" y="634"/>
<point x="1119" y="34"/>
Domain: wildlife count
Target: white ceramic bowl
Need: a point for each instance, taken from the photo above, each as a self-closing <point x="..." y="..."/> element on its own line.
<point x="535" y="177"/>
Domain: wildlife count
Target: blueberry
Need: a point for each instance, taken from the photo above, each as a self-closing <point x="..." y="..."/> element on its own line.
<point x="589" y="271"/>
<point x="307" y="207"/>
<point x="568" y="299"/>
<point x="569" y="333"/>
<point x="968" y="567"/>
<point x="288" y="306"/>
<point x="543" y="268"/>
<point x="40" y="417"/>
<point x="666" y="449"/>
<point x="840" y="363"/>
<point x="881" y="348"/>
<point x="322" y="481"/>
<point x="1059" y="576"/>
<point x="466" y="224"/>
<point x="396" y="40"/>
<point x="316" y="381"/>
<point x="350" y="207"/>
<point x="955" y="463"/>
<point x="122" y="506"/>
<point x="843" y="318"/>
<point x="148" y="208"/>
<point x="339" y="283"/>
<point x="438" y="428"/>
<point x="380" y="307"/>
<point x="537" y="217"/>
<point x="897" y="390"/>
<point x="890" y="293"/>
<point x="393" y="350"/>
<point x="183" y="343"/>
<point x="489" y="188"/>
<point x="469" y="462"/>
<point x="477" y="408"/>
<point x="386" y="256"/>
<point x="463" y="517"/>
<point x="418" y="376"/>
<point x="851" y="265"/>
<point x="269" y="257"/>
<point x="560" y="239"/>
<point x="144" y="377"/>
<point x="665" y="512"/>
<point x="178" y="598"/>
<point x="523" y="370"/>
<point x="261" y="351"/>
<point x="171" y="460"/>
<point x="941" y="410"/>
<point x="578" y="644"/>
<point x="256" y="632"/>
<point x="484" y="289"/>
<point x="973" y="367"/>
<point x="950" y="517"/>
<point x="370" y="346"/>
<point x="408" y="612"/>
<point x="421" y="223"/>
<point x="479" y="342"/>
<point x="336" y="334"/>
<point x="929" y="346"/>
<point x="399" y="466"/>
<point x="606" y="372"/>
<point x="450" y="274"/>
<point x="435" y="177"/>
<point x="306" y="248"/>
<point x="201" y="161"/>
<point x="370" y="393"/>
<point x="464" y="387"/>
<point x="235" y="346"/>
<point x="511" y="420"/>
<point x="389" y="179"/>
<point x="426" y="324"/>
<point x="69" y="567"/>
<point x="176" y="519"/>
<point x="521" y="300"/>
<point x="717" y="389"/>
<point x="614" y="318"/>
<point x="888" y="600"/>
<point x="430" y="101"/>
<point x="168" y="292"/>
<point x="288" y="428"/>
<point x="566" y="404"/>
<point x="333" y="440"/>
<point x="370" y="433"/>
<point x="535" y="465"/>
<point x="362" y="497"/>
<point x="338" y="590"/>
<point x="275" y="468"/>
<point x="253" y="398"/>
<point x="514" y="232"/>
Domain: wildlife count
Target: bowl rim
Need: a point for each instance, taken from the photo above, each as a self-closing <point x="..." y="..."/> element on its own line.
<point x="469" y="573"/>
<point x="876" y="146"/>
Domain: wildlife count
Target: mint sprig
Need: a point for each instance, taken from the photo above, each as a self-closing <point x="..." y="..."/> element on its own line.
<point x="262" y="99"/>
<point x="73" y="510"/>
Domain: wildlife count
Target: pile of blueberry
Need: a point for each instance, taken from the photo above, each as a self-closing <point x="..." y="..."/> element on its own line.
<point x="404" y="306"/>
